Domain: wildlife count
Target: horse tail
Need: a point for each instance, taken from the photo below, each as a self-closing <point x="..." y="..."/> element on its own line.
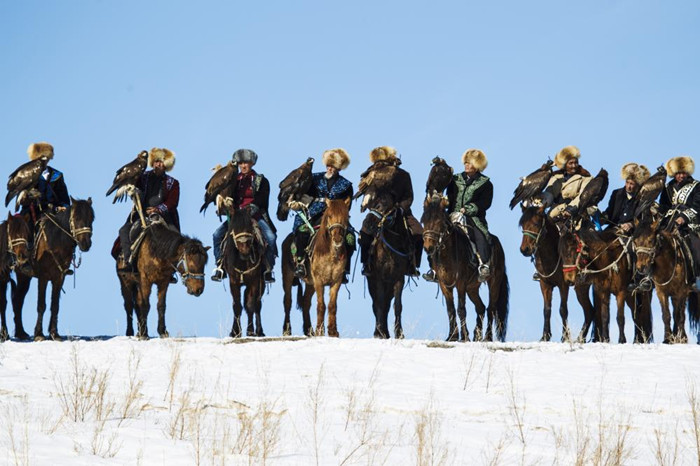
<point x="694" y="312"/>
<point x="503" y="300"/>
<point x="300" y="294"/>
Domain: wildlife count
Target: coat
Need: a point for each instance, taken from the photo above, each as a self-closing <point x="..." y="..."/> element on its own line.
<point x="340" y="189"/>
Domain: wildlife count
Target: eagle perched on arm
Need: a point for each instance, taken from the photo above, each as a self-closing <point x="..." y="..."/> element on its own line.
<point x="294" y="185"/>
<point x="25" y="178"/>
<point x="532" y="184"/>
<point x="594" y="192"/>
<point x="128" y="175"/>
<point x="650" y="190"/>
<point x="439" y="177"/>
<point x="223" y="178"/>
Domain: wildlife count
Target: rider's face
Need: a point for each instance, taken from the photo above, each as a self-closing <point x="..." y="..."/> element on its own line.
<point x="244" y="167"/>
<point x="631" y="186"/>
<point x="159" y="167"/>
<point x="680" y="176"/>
<point x="331" y="171"/>
<point x="571" y="166"/>
<point x="469" y="169"/>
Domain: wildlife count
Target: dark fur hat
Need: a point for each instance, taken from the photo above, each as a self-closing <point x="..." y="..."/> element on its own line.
<point x="245" y="156"/>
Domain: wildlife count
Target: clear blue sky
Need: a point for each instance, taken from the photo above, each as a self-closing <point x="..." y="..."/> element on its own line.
<point x="103" y="80"/>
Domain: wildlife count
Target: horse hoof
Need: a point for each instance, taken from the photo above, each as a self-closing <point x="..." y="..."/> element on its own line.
<point x="143" y="337"/>
<point x="56" y="337"/>
<point x="452" y="338"/>
<point x="39" y="338"/>
<point x="250" y="333"/>
<point x="260" y="334"/>
<point x="24" y="336"/>
<point x="333" y="333"/>
<point x="164" y="334"/>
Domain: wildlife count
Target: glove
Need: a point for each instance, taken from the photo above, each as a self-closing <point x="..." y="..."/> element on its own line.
<point x="295" y="205"/>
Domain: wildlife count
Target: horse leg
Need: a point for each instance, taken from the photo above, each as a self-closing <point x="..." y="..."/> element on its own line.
<point x="128" y="299"/>
<point x="4" y="335"/>
<point x="287" y="302"/>
<point x="249" y="310"/>
<point x="306" y="310"/>
<point x="40" y="309"/>
<point x="398" y="309"/>
<point x="679" y="334"/>
<point x="320" y="310"/>
<point x="162" y="293"/>
<point x="584" y="299"/>
<point x="56" y="286"/>
<point x="237" y="310"/>
<point x="333" y="309"/>
<point x="143" y="308"/>
<point x="620" y="299"/>
<point x="665" y="314"/>
<point x="257" y="302"/>
<point x="462" y="311"/>
<point x="480" y="308"/>
<point x="453" y="330"/>
<point x="18" y="294"/>
<point x="546" y="290"/>
<point x="563" y="312"/>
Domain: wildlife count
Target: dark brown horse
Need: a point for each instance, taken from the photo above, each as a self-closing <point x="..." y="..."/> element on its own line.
<point x="603" y="259"/>
<point x="450" y="249"/>
<point x="15" y="237"/>
<point x="540" y="230"/>
<point x="390" y="259"/>
<point x="661" y="258"/>
<point x="242" y="254"/>
<point x="54" y="249"/>
<point x="163" y="251"/>
<point x="289" y="281"/>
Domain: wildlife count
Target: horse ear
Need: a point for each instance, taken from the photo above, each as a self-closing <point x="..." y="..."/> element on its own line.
<point x="348" y="201"/>
<point x="9" y="215"/>
<point x="89" y="200"/>
<point x="206" y="248"/>
<point x="444" y="202"/>
<point x="72" y="199"/>
<point x="328" y="202"/>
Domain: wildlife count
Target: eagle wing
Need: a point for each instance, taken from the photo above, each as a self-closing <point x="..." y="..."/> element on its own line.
<point x="25" y="177"/>
<point x="375" y="181"/>
<point x="594" y="192"/>
<point x="294" y="185"/>
<point x="650" y="190"/>
<point x="222" y="180"/>
<point x="439" y="177"/>
<point x="128" y="175"/>
<point x="532" y="184"/>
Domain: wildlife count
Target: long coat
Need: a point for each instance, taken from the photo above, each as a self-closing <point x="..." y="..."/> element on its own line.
<point x="620" y="208"/>
<point x="261" y="198"/>
<point x="474" y="195"/>
<point x="340" y="189"/>
<point x="685" y="196"/>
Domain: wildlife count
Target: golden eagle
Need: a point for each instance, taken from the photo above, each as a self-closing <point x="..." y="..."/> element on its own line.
<point x="594" y="192"/>
<point x="294" y="185"/>
<point x="532" y="184"/>
<point x="376" y="180"/>
<point x="25" y="178"/>
<point x="128" y="175"/>
<point x="222" y="182"/>
<point x="650" y="190"/>
<point x="439" y="177"/>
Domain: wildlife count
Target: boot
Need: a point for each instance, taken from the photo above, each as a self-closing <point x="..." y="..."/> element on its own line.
<point x="300" y="269"/>
<point x="484" y="272"/>
<point x="218" y="274"/>
<point x="269" y="277"/>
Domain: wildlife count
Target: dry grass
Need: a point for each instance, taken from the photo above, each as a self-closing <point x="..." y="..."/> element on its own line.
<point x="431" y="449"/>
<point x="15" y="421"/>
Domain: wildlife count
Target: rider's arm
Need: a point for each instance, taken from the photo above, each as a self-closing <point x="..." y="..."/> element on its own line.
<point x="480" y="203"/>
<point x="61" y="192"/>
<point x="172" y="197"/>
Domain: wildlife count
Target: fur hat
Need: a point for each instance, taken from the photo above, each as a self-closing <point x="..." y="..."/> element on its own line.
<point x="337" y="158"/>
<point x="166" y="155"/>
<point x="637" y="173"/>
<point x="683" y="164"/>
<point x="245" y="155"/>
<point x="382" y="153"/>
<point x="476" y="158"/>
<point x="40" y="149"/>
<point x="563" y="156"/>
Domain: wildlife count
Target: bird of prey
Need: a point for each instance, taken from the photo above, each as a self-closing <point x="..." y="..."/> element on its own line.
<point x="128" y="175"/>
<point x="220" y="183"/>
<point x="296" y="184"/>
<point x="25" y="178"/>
<point x="439" y="177"/>
<point x="376" y="180"/>
<point x="650" y="190"/>
<point x="594" y="192"/>
<point x="532" y="184"/>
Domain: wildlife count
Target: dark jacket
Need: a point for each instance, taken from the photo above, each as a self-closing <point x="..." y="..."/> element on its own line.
<point x="54" y="193"/>
<point x="620" y="208"/>
<point x="163" y="194"/>
<point x="685" y="196"/>
<point x="261" y="199"/>
<point x="474" y="195"/>
<point x="340" y="188"/>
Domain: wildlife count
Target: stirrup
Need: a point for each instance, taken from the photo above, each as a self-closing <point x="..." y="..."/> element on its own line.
<point x="536" y="276"/>
<point x="366" y="271"/>
<point x="218" y="274"/>
<point x="484" y="272"/>
<point x="429" y="276"/>
<point x="269" y="277"/>
<point x="300" y="270"/>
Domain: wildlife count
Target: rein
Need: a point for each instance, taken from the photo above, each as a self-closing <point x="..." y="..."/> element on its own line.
<point x="536" y="236"/>
<point x="586" y="270"/>
<point x="651" y="252"/>
<point x="186" y="275"/>
<point x="11" y="243"/>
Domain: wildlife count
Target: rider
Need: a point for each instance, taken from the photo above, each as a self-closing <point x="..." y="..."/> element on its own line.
<point x="620" y="211"/>
<point x="402" y="197"/>
<point x="566" y="184"/>
<point x="681" y="203"/>
<point x="51" y="187"/>
<point x="326" y="185"/>
<point x="159" y="194"/>
<point x="252" y="194"/>
<point x="470" y="194"/>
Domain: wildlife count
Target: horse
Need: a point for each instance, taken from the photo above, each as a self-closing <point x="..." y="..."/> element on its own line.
<point x="304" y="291"/>
<point x="15" y="236"/>
<point x="661" y="259"/>
<point x="242" y="259"/>
<point x="390" y="260"/>
<point x="603" y="260"/>
<point x="538" y="229"/>
<point x="162" y="251"/>
<point x="54" y="249"/>
<point x="449" y="250"/>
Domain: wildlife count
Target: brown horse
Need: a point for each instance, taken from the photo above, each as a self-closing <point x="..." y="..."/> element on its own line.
<point x="539" y="229"/>
<point x="449" y="250"/>
<point x="242" y="254"/>
<point x="604" y="261"/>
<point x="15" y="237"/>
<point x="54" y="250"/>
<point x="163" y="250"/>
<point x="390" y="260"/>
<point x="661" y="258"/>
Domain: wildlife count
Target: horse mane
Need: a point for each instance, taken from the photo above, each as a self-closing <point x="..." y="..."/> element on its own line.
<point x="166" y="241"/>
<point x="241" y="221"/>
<point x="4" y="258"/>
<point x="528" y="214"/>
<point x="56" y="236"/>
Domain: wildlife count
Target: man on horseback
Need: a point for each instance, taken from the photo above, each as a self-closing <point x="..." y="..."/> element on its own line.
<point x="51" y="187"/>
<point x="680" y="202"/>
<point x="326" y="185"/>
<point x="159" y="195"/>
<point x="252" y="194"/>
<point x="620" y="211"/>
<point x="470" y="195"/>
<point x="566" y="184"/>
<point x="399" y="194"/>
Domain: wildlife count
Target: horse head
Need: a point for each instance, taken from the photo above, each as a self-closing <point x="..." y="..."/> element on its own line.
<point x="436" y="224"/>
<point x="572" y="251"/>
<point x="191" y="266"/>
<point x="336" y="220"/>
<point x="533" y="223"/>
<point x="18" y="238"/>
<point x="81" y="217"/>
<point x="242" y="230"/>
<point x="645" y="242"/>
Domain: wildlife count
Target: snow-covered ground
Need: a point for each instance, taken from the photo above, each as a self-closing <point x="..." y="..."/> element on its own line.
<point x="346" y="401"/>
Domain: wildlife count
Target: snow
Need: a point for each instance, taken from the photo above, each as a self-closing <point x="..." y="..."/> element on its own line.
<point x="298" y="401"/>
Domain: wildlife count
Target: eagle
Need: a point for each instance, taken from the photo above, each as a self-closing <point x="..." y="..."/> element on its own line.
<point x="532" y="184"/>
<point x="594" y="192"/>
<point x="650" y="190"/>
<point x="439" y="177"/>
<point x="296" y="184"/>
<point x="222" y="182"/>
<point x="128" y="175"/>
<point x="25" y="178"/>
<point x="377" y="179"/>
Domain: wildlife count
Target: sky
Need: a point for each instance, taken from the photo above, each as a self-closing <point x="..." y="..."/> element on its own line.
<point x="102" y="81"/>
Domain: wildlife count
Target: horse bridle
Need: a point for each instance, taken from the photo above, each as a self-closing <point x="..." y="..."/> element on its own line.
<point x="651" y="252"/>
<point x="536" y="234"/>
<point x="437" y="236"/>
<point x="186" y="275"/>
<point x="12" y="243"/>
<point x="331" y="227"/>
<point x="579" y="252"/>
<point x="74" y="232"/>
